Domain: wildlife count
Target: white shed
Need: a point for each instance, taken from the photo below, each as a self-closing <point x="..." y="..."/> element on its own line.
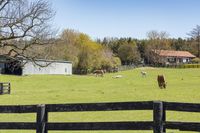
<point x="51" y="67"/>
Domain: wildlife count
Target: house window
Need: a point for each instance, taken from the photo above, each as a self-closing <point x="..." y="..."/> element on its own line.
<point x="180" y="60"/>
<point x="171" y="59"/>
<point x="185" y="60"/>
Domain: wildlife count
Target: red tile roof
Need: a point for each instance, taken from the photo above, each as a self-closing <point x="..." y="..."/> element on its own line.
<point x="171" y="53"/>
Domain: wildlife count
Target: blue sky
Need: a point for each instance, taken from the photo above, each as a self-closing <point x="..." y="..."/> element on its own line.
<point x="127" y="18"/>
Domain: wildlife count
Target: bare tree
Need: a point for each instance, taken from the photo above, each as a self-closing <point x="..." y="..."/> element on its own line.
<point x="24" y="25"/>
<point x="157" y="41"/>
<point x="195" y="34"/>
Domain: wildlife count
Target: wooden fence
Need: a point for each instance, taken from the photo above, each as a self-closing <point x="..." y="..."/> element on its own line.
<point x="158" y="125"/>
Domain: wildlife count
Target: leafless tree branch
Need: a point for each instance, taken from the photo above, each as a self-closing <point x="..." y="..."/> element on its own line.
<point x="23" y="26"/>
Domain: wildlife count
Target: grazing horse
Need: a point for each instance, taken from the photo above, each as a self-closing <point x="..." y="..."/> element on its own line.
<point x="98" y="73"/>
<point x="161" y="81"/>
<point x="144" y="74"/>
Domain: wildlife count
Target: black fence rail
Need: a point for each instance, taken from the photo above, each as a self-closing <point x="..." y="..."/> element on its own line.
<point x="4" y="88"/>
<point x="158" y="125"/>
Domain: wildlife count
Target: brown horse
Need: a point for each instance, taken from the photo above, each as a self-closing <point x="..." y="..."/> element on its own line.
<point x="98" y="73"/>
<point x="161" y="81"/>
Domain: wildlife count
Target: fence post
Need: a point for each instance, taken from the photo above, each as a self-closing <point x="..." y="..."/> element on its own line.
<point x="164" y="117"/>
<point x="158" y="117"/>
<point x="9" y="87"/>
<point x="42" y="118"/>
<point x="1" y="88"/>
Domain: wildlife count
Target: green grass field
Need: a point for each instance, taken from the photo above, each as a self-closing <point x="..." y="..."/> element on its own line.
<point x="183" y="85"/>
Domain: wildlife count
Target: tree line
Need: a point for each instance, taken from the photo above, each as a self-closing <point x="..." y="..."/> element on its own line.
<point x="108" y="53"/>
<point x="136" y="51"/>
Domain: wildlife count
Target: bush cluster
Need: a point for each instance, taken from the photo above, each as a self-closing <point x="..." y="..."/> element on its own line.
<point x="190" y="66"/>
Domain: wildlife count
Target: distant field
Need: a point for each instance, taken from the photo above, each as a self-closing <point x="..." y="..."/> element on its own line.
<point x="183" y="86"/>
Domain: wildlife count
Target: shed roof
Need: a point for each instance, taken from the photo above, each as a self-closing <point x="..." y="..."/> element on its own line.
<point x="59" y="61"/>
<point x="4" y="58"/>
<point x="172" y="53"/>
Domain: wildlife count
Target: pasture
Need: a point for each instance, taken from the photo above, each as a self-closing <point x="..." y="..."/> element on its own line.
<point x="183" y="85"/>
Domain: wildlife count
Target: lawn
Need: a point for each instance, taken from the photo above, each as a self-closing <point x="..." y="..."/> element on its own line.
<point x="182" y="86"/>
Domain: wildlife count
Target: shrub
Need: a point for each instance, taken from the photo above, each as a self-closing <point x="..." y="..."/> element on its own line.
<point x="190" y="66"/>
<point x="196" y="60"/>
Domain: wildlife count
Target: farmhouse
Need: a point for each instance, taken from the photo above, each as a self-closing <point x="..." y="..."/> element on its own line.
<point x="170" y="57"/>
<point x="39" y="66"/>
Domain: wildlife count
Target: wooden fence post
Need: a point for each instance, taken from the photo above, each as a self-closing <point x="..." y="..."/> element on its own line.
<point x="164" y="117"/>
<point x="158" y="117"/>
<point x="9" y="87"/>
<point x="1" y="88"/>
<point x="42" y="118"/>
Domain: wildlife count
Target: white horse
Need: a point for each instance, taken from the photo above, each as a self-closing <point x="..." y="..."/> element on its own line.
<point x="143" y="73"/>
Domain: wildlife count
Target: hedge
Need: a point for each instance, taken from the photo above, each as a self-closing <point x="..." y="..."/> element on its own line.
<point x="189" y="66"/>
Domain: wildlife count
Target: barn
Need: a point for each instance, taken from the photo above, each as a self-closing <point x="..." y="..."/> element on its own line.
<point x="39" y="66"/>
<point x="47" y="67"/>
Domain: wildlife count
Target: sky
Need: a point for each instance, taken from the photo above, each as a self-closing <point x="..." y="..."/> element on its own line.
<point x="127" y="18"/>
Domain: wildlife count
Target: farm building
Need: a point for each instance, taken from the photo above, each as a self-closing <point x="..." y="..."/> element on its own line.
<point x="30" y="68"/>
<point x="170" y="57"/>
<point x="51" y="67"/>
